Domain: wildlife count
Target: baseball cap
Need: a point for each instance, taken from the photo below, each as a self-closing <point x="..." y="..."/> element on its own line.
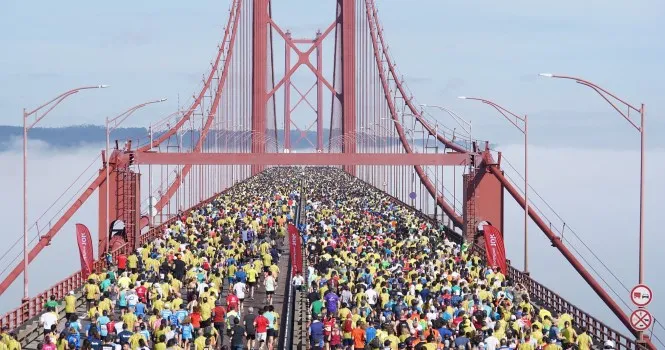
<point x="609" y="344"/>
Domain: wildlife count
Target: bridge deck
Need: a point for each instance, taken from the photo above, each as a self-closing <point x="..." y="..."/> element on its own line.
<point x="30" y="333"/>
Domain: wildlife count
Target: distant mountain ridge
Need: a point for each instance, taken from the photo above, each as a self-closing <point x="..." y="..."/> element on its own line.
<point x="66" y="137"/>
<point x="77" y="135"/>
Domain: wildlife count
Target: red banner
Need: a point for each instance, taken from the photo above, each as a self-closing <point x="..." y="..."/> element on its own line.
<point x="84" y="240"/>
<point x="296" y="250"/>
<point x="494" y="248"/>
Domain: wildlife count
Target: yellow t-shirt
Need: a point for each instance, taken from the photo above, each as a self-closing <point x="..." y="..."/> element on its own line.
<point x="14" y="345"/>
<point x="206" y="311"/>
<point x="132" y="261"/>
<point x="129" y="319"/>
<point x="70" y="304"/>
<point x="526" y="346"/>
<point x="252" y="275"/>
<point x="200" y="343"/>
<point x="91" y="291"/>
<point x="584" y="341"/>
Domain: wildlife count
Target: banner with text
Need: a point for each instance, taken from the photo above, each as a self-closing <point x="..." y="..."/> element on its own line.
<point x="296" y="250"/>
<point x="495" y="249"/>
<point x="84" y="240"/>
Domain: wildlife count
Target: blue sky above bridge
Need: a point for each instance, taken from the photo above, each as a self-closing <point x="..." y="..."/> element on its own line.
<point x="151" y="49"/>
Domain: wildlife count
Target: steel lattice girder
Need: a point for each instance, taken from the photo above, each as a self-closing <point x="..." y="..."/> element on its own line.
<point x="443" y="159"/>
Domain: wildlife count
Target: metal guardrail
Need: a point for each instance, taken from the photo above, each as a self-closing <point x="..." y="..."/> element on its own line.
<point x="553" y="302"/>
<point x="286" y="341"/>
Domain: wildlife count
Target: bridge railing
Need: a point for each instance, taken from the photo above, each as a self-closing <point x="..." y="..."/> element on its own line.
<point x="35" y="305"/>
<point x="551" y="301"/>
<point x="545" y="297"/>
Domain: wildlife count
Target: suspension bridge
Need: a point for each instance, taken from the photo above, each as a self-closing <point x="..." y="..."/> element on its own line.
<point x="365" y="120"/>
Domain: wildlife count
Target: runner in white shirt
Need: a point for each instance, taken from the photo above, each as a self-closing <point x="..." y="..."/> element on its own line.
<point x="491" y="342"/>
<point x="48" y="319"/>
<point x="270" y="284"/>
<point x="240" y="289"/>
<point x="372" y="296"/>
<point x="132" y="298"/>
<point x="118" y="327"/>
<point x="201" y="287"/>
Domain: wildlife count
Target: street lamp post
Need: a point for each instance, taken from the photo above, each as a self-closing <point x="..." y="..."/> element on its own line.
<point x="27" y="126"/>
<point x="641" y="129"/>
<point x="116" y="121"/>
<point x="525" y="130"/>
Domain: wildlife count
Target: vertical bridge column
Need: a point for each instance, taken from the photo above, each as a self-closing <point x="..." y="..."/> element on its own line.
<point x="124" y="204"/>
<point x="483" y="201"/>
<point x="348" y="17"/>
<point x="261" y="27"/>
<point x="287" y="92"/>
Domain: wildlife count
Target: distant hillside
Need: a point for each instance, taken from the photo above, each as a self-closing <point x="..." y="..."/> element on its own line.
<point x="74" y="136"/>
<point x="67" y="137"/>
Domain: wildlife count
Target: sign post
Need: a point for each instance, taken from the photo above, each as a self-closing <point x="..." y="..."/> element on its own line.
<point x="641" y="295"/>
<point x="641" y="320"/>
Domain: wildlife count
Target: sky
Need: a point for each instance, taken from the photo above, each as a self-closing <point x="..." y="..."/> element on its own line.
<point x="148" y="50"/>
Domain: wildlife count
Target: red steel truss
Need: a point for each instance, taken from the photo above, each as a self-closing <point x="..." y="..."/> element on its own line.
<point x="230" y="132"/>
<point x="450" y="159"/>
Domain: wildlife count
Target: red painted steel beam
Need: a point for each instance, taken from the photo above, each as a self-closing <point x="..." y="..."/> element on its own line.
<point x="457" y="220"/>
<point x="348" y="21"/>
<point x="260" y="20"/>
<point x="371" y="11"/>
<point x="450" y="159"/>
<point x="557" y="242"/>
<point x="173" y="188"/>
<point x="188" y="114"/>
<point x="46" y="239"/>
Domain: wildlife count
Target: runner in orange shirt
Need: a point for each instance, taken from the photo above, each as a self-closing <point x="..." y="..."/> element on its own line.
<point x="358" y="335"/>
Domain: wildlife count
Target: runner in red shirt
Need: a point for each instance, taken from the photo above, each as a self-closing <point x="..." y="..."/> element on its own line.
<point x="142" y="293"/>
<point x="261" y="324"/>
<point x="218" y="314"/>
<point x="121" y="261"/>
<point x="232" y="301"/>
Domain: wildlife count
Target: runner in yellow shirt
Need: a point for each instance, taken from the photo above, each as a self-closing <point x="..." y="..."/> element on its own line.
<point x="133" y="262"/>
<point x="584" y="341"/>
<point x="91" y="293"/>
<point x="252" y="276"/>
<point x="70" y="305"/>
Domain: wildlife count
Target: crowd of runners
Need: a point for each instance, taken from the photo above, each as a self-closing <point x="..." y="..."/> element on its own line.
<point x="381" y="277"/>
<point x="191" y="288"/>
<point x="377" y="276"/>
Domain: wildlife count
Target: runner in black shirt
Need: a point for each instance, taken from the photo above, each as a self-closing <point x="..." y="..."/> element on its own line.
<point x="238" y="336"/>
<point x="248" y="322"/>
<point x="123" y="337"/>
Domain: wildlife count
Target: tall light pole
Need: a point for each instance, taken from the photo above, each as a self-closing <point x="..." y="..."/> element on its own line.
<point x="525" y="130"/>
<point x="112" y="124"/>
<point x="27" y="126"/>
<point x="641" y="129"/>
